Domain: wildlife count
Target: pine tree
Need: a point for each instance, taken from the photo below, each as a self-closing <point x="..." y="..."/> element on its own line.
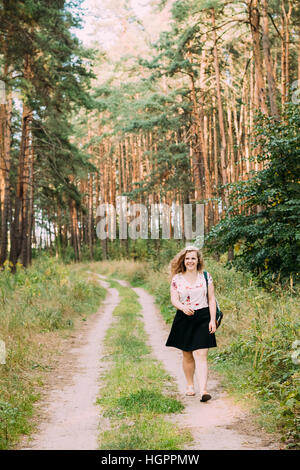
<point x="47" y="67"/>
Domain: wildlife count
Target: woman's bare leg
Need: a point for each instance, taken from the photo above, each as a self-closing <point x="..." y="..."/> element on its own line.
<point x="188" y="363"/>
<point x="200" y="356"/>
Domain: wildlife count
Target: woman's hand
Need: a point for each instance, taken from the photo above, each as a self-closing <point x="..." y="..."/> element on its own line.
<point x="212" y="326"/>
<point x="188" y="310"/>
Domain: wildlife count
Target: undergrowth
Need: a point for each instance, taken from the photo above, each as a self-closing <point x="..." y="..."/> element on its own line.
<point x="39" y="305"/>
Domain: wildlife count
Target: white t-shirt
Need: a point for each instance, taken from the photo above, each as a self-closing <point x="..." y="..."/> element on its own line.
<point x="194" y="295"/>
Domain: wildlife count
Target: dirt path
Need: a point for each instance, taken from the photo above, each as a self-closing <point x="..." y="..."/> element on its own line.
<point x="70" y="416"/>
<point x="70" y="420"/>
<point x="218" y="424"/>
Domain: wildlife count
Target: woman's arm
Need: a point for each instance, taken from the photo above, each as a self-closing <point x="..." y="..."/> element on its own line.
<point x="176" y="302"/>
<point x="212" y="308"/>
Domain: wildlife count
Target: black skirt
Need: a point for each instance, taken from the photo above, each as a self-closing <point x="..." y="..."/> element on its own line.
<point x="190" y="332"/>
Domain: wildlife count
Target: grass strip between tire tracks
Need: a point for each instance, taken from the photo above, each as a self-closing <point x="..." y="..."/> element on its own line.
<point x="132" y="397"/>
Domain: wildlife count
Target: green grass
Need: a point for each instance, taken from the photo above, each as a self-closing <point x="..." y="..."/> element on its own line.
<point x="143" y="434"/>
<point x="39" y="307"/>
<point x="145" y="400"/>
<point x="133" y="396"/>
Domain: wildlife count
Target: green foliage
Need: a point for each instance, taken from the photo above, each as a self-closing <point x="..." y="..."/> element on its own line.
<point x="51" y="73"/>
<point x="181" y="9"/>
<point x="66" y="253"/>
<point x="272" y="375"/>
<point x="269" y="238"/>
<point x="8" y="418"/>
<point x="162" y="113"/>
<point x="148" y="400"/>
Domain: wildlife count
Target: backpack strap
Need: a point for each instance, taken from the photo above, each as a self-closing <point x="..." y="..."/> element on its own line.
<point x="205" y="275"/>
<point x="219" y="314"/>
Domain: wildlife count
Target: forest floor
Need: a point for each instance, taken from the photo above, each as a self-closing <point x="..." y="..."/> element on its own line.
<point x="67" y="416"/>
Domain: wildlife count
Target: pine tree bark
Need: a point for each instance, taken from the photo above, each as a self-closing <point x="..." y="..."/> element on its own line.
<point x="5" y="162"/>
<point x="27" y="204"/>
<point x="285" y="33"/>
<point x="103" y="192"/>
<point x="90" y="215"/>
<point x="220" y="109"/>
<point x="196" y="146"/>
<point x="216" y="161"/>
<point x="75" y="238"/>
<point x="254" y="18"/>
<point x="18" y="226"/>
<point x="299" y="57"/>
<point x="268" y="60"/>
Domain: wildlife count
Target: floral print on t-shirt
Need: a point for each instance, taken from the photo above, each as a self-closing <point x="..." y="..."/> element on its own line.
<point x="194" y="295"/>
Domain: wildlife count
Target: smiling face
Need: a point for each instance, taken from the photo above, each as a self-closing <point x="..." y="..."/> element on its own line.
<point x="191" y="261"/>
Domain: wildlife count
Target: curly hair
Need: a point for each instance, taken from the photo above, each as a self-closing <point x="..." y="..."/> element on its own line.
<point x="177" y="264"/>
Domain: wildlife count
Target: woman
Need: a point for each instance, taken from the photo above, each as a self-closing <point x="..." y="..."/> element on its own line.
<point x="194" y="324"/>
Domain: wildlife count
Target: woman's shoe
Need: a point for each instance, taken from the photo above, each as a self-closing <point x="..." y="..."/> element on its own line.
<point x="190" y="392"/>
<point x="205" y="397"/>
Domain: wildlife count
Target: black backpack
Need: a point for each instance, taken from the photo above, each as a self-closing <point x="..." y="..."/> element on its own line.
<point x="219" y="314"/>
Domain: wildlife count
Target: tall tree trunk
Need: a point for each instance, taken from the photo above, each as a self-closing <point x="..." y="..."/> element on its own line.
<point x="5" y="158"/>
<point x="203" y="135"/>
<point x="103" y="192"/>
<point x="231" y="156"/>
<point x="196" y="148"/>
<point x="26" y="204"/>
<point x="75" y="238"/>
<point x="221" y="118"/>
<point x="299" y="57"/>
<point x="17" y="234"/>
<point x="268" y="60"/>
<point x="254" y="18"/>
<point x="19" y="226"/>
<point x="286" y="34"/>
<point x="30" y="213"/>
<point x="123" y="159"/>
<point x="90" y="216"/>
<point x="285" y="18"/>
<point x="220" y="109"/>
<point x="283" y="63"/>
<point x="216" y="160"/>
